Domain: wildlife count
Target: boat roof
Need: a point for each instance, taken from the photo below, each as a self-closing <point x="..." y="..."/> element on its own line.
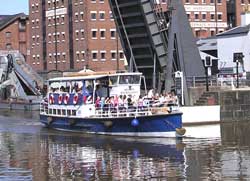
<point x="90" y="76"/>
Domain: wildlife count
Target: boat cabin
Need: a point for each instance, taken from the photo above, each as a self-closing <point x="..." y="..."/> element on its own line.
<point x="77" y="95"/>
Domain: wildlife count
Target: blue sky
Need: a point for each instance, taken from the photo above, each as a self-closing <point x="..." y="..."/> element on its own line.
<point x="14" y="7"/>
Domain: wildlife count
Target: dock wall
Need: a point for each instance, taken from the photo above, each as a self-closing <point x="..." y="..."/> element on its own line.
<point x="234" y="104"/>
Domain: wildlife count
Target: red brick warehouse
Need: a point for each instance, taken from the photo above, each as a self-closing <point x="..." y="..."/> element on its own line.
<point x="84" y="35"/>
<point x="14" y="34"/>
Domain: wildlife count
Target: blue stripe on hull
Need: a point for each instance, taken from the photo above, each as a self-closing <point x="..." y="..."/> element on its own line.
<point x="146" y="124"/>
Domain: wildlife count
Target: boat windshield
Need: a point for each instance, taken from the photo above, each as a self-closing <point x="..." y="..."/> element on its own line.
<point x="129" y="79"/>
<point x="113" y="80"/>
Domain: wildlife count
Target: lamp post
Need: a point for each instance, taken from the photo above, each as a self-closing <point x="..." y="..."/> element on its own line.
<point x="207" y="65"/>
<point x="237" y="74"/>
<point x="238" y="58"/>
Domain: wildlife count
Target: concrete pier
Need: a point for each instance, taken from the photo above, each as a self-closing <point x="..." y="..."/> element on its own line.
<point x="234" y="103"/>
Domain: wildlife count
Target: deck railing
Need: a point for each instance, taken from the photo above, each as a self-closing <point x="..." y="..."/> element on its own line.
<point x="110" y="111"/>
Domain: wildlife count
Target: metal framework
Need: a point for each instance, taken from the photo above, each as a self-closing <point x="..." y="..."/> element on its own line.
<point x="157" y="42"/>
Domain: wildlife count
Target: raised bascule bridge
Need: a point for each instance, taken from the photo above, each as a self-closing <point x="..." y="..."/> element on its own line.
<point x="158" y="42"/>
<point x="18" y="80"/>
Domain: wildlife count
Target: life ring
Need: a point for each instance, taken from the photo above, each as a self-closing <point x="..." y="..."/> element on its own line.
<point x="66" y="99"/>
<point x="75" y="99"/>
<point x="51" y="99"/>
<point x="60" y="98"/>
<point x="84" y="99"/>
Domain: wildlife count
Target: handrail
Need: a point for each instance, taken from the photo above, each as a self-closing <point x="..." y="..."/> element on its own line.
<point x="118" y="111"/>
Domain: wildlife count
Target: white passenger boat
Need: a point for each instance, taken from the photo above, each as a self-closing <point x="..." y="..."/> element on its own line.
<point x="77" y="103"/>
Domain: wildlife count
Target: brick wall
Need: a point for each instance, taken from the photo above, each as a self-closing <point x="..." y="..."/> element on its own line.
<point x="235" y="105"/>
<point x="13" y="39"/>
<point x="79" y="50"/>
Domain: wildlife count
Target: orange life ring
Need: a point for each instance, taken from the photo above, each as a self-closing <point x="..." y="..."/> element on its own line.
<point x="66" y="99"/>
<point x="60" y="99"/>
<point x="51" y="99"/>
<point x="75" y="99"/>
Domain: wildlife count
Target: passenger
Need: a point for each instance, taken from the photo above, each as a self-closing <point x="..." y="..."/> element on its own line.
<point x="135" y="101"/>
<point x="155" y="101"/>
<point x="174" y="98"/>
<point x="56" y="90"/>
<point x="79" y="89"/>
<point x="102" y="103"/>
<point x="140" y="103"/>
<point x="112" y="102"/>
<point x="151" y="93"/>
<point x="106" y="105"/>
<point x="131" y="108"/>
<point x="89" y="89"/>
<point x="146" y="102"/>
<point x="125" y="102"/>
<point x="98" y="102"/>
<point x="161" y="100"/>
<point x="62" y="89"/>
<point x="98" y="90"/>
<point x="67" y="89"/>
<point x="116" y="101"/>
<point x="129" y="101"/>
<point x="167" y="98"/>
<point x="121" y="103"/>
<point x="75" y="88"/>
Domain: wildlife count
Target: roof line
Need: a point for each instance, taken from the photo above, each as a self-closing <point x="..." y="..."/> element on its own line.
<point x="11" y="19"/>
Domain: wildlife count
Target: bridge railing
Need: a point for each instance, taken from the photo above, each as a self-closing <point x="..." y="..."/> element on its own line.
<point x="216" y="81"/>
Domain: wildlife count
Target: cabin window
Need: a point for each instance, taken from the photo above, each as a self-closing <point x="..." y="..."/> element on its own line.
<point x="113" y="80"/>
<point x="101" y="88"/>
<point x="129" y="79"/>
<point x="89" y="87"/>
<point x="58" y="87"/>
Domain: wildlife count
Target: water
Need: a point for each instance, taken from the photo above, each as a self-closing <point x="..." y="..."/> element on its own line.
<point x="30" y="152"/>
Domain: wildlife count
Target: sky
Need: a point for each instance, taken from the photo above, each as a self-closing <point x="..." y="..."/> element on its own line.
<point x="14" y="7"/>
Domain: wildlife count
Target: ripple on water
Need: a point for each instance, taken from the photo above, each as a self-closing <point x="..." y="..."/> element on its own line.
<point x="44" y="154"/>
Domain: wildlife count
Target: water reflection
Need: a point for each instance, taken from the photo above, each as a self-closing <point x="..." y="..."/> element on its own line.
<point x="14" y="164"/>
<point x="105" y="158"/>
<point x="30" y="152"/>
<point x="235" y="151"/>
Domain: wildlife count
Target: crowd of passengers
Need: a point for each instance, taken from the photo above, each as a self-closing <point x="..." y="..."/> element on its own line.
<point x="124" y="102"/>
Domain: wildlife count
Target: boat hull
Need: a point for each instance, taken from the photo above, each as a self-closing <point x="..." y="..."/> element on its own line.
<point x="163" y="125"/>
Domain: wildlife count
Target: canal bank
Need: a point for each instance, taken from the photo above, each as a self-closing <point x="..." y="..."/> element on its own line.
<point x="234" y="103"/>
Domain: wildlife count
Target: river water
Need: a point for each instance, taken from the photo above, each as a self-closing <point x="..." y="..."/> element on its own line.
<point x="30" y="152"/>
